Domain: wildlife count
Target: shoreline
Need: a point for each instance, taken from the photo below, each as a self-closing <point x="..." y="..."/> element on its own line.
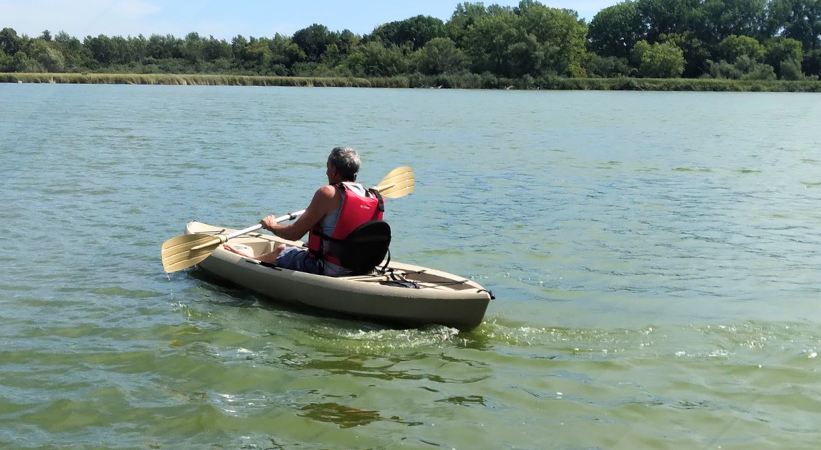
<point x="442" y="81"/>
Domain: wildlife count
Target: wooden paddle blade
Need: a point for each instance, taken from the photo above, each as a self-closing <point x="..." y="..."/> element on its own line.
<point x="398" y="183"/>
<point x="177" y="253"/>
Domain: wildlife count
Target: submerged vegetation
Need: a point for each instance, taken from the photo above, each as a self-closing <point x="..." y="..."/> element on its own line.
<point x="641" y="44"/>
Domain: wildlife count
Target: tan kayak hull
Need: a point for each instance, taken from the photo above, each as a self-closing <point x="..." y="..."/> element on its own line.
<point x="412" y="296"/>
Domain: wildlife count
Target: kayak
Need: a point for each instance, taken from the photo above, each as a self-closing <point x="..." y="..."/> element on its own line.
<point x="398" y="293"/>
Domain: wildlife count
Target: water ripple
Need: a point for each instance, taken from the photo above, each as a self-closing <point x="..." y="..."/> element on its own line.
<point x="654" y="258"/>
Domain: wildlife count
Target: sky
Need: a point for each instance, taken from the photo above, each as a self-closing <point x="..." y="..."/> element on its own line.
<point x="226" y="19"/>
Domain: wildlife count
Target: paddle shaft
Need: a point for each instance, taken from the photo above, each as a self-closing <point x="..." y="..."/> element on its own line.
<point x="289" y="216"/>
<point x="252" y="228"/>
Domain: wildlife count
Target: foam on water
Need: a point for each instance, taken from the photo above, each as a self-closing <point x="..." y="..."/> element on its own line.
<point x="652" y="275"/>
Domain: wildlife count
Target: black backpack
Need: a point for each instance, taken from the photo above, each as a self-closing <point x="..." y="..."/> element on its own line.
<point x="364" y="248"/>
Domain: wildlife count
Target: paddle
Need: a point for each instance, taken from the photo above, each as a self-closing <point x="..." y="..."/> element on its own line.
<point x="185" y="251"/>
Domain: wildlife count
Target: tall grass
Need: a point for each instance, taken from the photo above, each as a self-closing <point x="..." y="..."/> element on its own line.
<point x="457" y="81"/>
<point x="180" y="79"/>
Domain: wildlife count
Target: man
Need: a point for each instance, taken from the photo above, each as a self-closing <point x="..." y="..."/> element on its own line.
<point x="335" y="210"/>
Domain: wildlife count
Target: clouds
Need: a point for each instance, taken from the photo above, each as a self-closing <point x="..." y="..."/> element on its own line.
<point x="224" y="19"/>
<point x="79" y="18"/>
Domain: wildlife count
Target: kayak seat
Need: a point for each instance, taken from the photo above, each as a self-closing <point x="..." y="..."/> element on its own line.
<point x="364" y="248"/>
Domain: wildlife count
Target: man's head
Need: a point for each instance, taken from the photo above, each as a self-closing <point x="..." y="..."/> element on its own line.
<point x="345" y="161"/>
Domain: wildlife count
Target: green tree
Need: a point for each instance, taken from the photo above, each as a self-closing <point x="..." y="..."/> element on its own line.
<point x="5" y="62"/>
<point x="723" y="18"/>
<point x="415" y="31"/>
<point x="659" y="60"/>
<point x="749" y="39"/>
<point x="258" y="54"/>
<point x="314" y="41"/>
<point x="163" y="47"/>
<point x="193" y="48"/>
<point x="20" y="62"/>
<point x="697" y="53"/>
<point x="783" y="54"/>
<point x="341" y="45"/>
<point x="530" y="40"/>
<point x="10" y="43"/>
<point x="346" y="42"/>
<point x="49" y="58"/>
<point x="136" y="49"/>
<point x="239" y="48"/>
<point x="526" y="57"/>
<point x="463" y="17"/>
<point x="615" y="30"/>
<point x="101" y="48"/>
<point x="440" y="55"/>
<point x="664" y="17"/>
<point x="374" y="59"/>
<point x="214" y="49"/>
<point x="487" y="42"/>
<point x="559" y="34"/>
<point x="122" y="50"/>
<point x="734" y="46"/>
<point x="796" y="19"/>
<point x="76" y="55"/>
<point x="812" y="63"/>
<point x="284" y="54"/>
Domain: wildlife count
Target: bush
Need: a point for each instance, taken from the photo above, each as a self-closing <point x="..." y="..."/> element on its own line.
<point x="734" y="47"/>
<point x="659" y="60"/>
<point x="812" y="63"/>
<point x="375" y="60"/>
<point x="608" y="67"/>
<point x="745" y="68"/>
<point x="440" y="55"/>
<point x="791" y="70"/>
<point x="780" y="50"/>
<point x="5" y="62"/>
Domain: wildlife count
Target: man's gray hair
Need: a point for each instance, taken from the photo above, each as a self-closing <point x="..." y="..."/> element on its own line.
<point x="346" y="161"/>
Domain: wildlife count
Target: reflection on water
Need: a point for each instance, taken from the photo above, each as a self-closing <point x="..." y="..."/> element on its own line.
<point x="654" y="276"/>
<point x="343" y="416"/>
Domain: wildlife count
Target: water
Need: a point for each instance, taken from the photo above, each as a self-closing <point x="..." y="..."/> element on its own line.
<point x="655" y="258"/>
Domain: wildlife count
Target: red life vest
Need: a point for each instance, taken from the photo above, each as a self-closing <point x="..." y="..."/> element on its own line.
<point x="355" y="211"/>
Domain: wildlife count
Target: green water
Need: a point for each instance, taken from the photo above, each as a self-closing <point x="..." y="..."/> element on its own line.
<point x="655" y="258"/>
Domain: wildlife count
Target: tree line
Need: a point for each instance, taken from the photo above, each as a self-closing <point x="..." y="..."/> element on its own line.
<point x="734" y="39"/>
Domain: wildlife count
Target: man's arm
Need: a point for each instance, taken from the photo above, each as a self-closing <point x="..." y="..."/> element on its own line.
<point x="325" y="201"/>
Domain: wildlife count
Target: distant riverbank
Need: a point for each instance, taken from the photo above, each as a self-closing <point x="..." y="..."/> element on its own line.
<point x="443" y="81"/>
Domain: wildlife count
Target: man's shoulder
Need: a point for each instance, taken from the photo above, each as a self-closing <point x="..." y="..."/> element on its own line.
<point x="326" y="192"/>
<point x="327" y="189"/>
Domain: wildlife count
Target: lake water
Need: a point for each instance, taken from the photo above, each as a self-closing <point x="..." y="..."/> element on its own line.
<point x="655" y="258"/>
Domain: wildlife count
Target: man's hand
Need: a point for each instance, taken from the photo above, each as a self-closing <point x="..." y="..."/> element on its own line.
<point x="269" y="223"/>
